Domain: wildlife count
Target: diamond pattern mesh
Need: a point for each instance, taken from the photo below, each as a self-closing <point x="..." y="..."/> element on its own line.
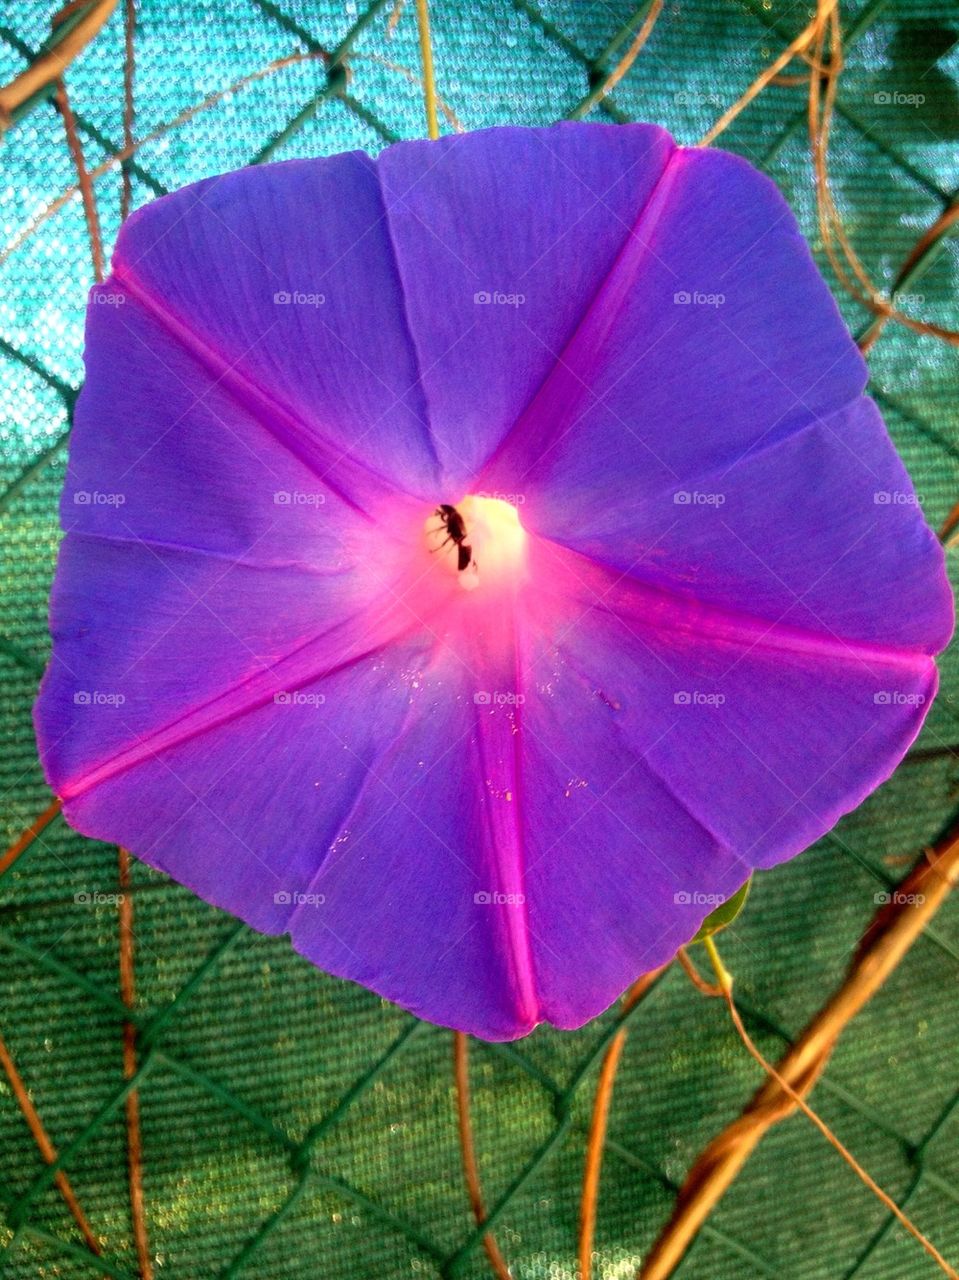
<point x="295" y="1125"/>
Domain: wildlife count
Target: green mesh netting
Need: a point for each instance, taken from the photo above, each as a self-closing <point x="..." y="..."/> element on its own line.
<point x="294" y="1125"/>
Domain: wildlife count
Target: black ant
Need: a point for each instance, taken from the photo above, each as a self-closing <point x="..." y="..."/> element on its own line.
<point x="455" y="528"/>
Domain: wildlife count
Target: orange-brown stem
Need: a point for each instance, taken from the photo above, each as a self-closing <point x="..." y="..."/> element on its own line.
<point x="468" y="1150"/>
<point x="75" y="146"/>
<point x="23" y="842"/>
<point x="45" y="1146"/>
<point x="596" y="1139"/>
<point x="887" y="940"/>
<point x="132" y="1103"/>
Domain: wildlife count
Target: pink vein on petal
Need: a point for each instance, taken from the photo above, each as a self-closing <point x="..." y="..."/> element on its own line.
<point x="655" y="606"/>
<point x="288" y="673"/>
<point x="499" y="736"/>
<point x="330" y="462"/>
<point x="561" y="390"/>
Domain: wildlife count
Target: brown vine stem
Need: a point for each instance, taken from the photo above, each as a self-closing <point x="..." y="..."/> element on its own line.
<point x="793" y="81"/>
<point x="83" y="179"/>
<point x="132" y="1104"/>
<point x="798" y="1101"/>
<point x="598" y="1122"/>
<point x="45" y="1146"/>
<point x="949" y="524"/>
<point x="48" y="67"/>
<point x="189" y="113"/>
<point x="467" y="1147"/>
<point x="892" y="932"/>
<point x="289" y="60"/>
<point x="821" y="107"/>
<point x="30" y="1114"/>
<point x="395" y="16"/>
<point x="796" y="47"/>
<point x="694" y="976"/>
<point x="129" y="67"/>
<point x="429" y="79"/>
<point x="923" y="245"/>
<point x="832" y="229"/>
<point x="624" y="64"/>
<point x="416" y="81"/>
<point x="23" y="842"/>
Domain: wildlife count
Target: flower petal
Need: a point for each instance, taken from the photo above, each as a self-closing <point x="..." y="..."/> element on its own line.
<point x="819" y="528"/>
<point x="712" y="334"/>
<point x="670" y="748"/>
<point x="166" y="450"/>
<point x="493" y="806"/>
<point x="156" y="645"/>
<point x="502" y="239"/>
<point x="508" y="813"/>
<point x="282" y="282"/>
<point x="705" y="429"/>
<point x="357" y="811"/>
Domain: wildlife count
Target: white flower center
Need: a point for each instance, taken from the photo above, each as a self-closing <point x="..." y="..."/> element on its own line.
<point x="479" y="540"/>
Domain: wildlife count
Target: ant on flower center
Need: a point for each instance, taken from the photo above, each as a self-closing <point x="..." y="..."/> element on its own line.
<point x="455" y="526"/>
<point x="480" y="530"/>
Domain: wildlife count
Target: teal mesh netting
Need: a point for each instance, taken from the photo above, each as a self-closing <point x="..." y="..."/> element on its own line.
<point x="294" y="1125"/>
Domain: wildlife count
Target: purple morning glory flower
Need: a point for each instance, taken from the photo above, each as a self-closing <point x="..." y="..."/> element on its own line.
<point x="479" y="559"/>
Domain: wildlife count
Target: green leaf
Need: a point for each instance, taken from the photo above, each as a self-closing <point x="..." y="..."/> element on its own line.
<point x="724" y="914"/>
